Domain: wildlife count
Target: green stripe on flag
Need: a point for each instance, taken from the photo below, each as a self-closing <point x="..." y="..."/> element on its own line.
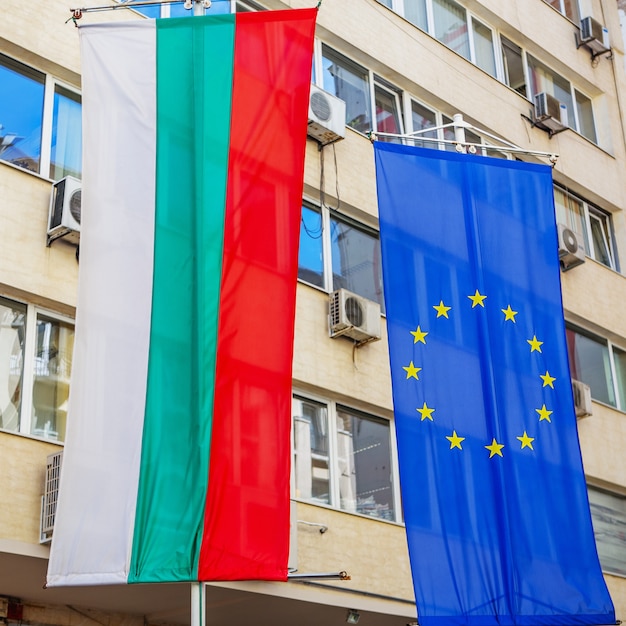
<point x="194" y="89"/>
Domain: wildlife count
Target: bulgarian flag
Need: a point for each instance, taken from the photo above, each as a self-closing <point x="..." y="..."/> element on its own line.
<point x="176" y="465"/>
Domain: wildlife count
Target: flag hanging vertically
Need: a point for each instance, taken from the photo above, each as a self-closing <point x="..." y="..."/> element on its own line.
<point x="177" y="460"/>
<point x="494" y="495"/>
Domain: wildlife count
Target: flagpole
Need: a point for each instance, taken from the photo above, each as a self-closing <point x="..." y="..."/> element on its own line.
<point x="198" y="612"/>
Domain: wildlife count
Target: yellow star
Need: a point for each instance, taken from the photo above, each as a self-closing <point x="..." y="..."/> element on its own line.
<point x="455" y="440"/>
<point x="426" y="412"/>
<point x="495" y="448"/>
<point x="477" y="299"/>
<point x="509" y="314"/>
<point x="535" y="344"/>
<point x="411" y="371"/>
<point x="442" y="309"/>
<point x="547" y="379"/>
<point x="544" y="414"/>
<point x="419" y="335"/>
<point x="527" y="442"/>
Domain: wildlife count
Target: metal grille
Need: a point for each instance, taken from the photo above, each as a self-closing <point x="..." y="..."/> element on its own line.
<point x="51" y="495"/>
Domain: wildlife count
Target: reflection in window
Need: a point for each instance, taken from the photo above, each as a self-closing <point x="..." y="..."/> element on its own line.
<point x="451" y="26"/>
<point x="567" y="7"/>
<point x="608" y="513"/>
<point x="513" y="66"/>
<point x="364" y="465"/>
<point x="387" y="111"/>
<point x="310" y="255"/>
<point x="51" y="380"/>
<point x="350" y="82"/>
<point x="589" y="361"/>
<point x="422" y="119"/>
<point x="311" y="450"/>
<point x="594" y="226"/>
<point x="21" y="114"/>
<point x="45" y="345"/>
<point x="356" y="262"/>
<point x="66" y="154"/>
<point x="12" y="335"/>
<point x="543" y="78"/>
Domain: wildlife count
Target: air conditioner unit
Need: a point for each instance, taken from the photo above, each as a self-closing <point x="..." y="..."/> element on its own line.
<point x="50" y="496"/>
<point x="582" y="398"/>
<point x="550" y="113"/>
<point x="65" y="208"/>
<point x="354" y="316"/>
<point x="327" y="116"/>
<point x="571" y="249"/>
<point x="594" y="35"/>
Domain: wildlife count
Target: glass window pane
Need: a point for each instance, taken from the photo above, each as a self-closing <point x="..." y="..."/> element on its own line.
<point x="356" y="260"/>
<point x="310" y="255"/>
<point x="311" y="460"/>
<point x="451" y="26"/>
<point x="600" y="238"/>
<point x="21" y="112"/>
<point x="619" y="358"/>
<point x="387" y="113"/>
<point x="421" y="119"/>
<point x="387" y="3"/>
<point x="12" y="329"/>
<point x="364" y="457"/>
<point x="483" y="47"/>
<point x="66" y="154"/>
<point x="586" y="124"/>
<point x="513" y="66"/>
<point x="589" y="363"/>
<point x="52" y="370"/>
<point x="570" y="211"/>
<point x="350" y="82"/>
<point x="608" y="513"/>
<point x="415" y="12"/>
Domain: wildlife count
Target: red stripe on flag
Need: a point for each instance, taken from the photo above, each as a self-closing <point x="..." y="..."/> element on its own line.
<point x="246" y="534"/>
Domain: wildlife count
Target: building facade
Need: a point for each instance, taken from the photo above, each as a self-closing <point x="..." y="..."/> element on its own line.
<point x="521" y="75"/>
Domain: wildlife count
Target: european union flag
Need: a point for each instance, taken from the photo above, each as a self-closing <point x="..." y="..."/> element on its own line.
<point x="493" y="489"/>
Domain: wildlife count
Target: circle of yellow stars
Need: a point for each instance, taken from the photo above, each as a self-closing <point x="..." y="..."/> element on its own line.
<point x="495" y="448"/>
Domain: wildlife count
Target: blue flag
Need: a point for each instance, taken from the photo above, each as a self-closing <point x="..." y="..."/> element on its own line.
<point x="493" y="489"/>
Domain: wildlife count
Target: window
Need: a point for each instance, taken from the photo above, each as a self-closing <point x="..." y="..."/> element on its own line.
<point x="40" y="123"/>
<point x="596" y="362"/>
<point x="35" y="366"/>
<point x="387" y="103"/>
<point x="567" y="7"/>
<point x="579" y="117"/>
<point x="343" y="458"/>
<point x="608" y="514"/>
<point x="337" y="252"/>
<point x="513" y="64"/>
<point x="483" y="47"/>
<point x="350" y="82"/>
<point x="423" y="118"/>
<point x="311" y="253"/>
<point x="451" y="26"/>
<point x="592" y="224"/>
<point x="356" y="263"/>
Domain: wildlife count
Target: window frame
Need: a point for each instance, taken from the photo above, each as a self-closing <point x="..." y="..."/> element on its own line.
<point x="612" y="386"/>
<point x="591" y="212"/>
<point x="332" y="407"/>
<point x="50" y="87"/>
<point x="614" y="521"/>
<point x="25" y="411"/>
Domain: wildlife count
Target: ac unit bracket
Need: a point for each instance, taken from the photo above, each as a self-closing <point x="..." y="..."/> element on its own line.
<point x="594" y="53"/>
<point x="535" y="123"/>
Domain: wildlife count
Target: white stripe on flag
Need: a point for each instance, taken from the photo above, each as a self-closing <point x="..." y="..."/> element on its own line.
<point x="101" y="463"/>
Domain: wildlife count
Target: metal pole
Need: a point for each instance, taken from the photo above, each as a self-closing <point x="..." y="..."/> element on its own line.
<point x="459" y="130"/>
<point x="198" y="7"/>
<point x="198" y="611"/>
